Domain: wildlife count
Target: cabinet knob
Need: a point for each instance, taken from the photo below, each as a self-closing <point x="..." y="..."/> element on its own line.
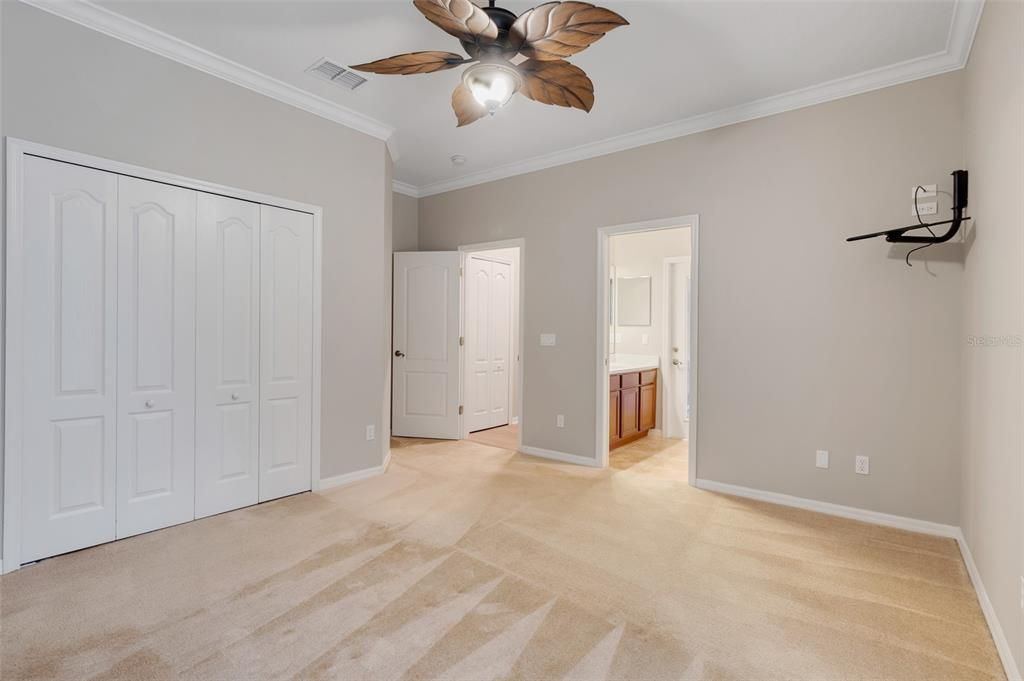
<point x="149" y="404"/>
<point x="234" y="396"/>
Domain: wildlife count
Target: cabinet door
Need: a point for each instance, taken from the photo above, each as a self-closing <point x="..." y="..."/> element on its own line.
<point x="227" y="355"/>
<point x="68" y="398"/>
<point x="614" y="406"/>
<point x="648" y="411"/>
<point x="286" y="351"/>
<point x="156" y="356"/>
<point x="630" y="410"/>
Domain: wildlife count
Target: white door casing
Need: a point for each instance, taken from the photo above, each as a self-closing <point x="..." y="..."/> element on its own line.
<point x="69" y="390"/>
<point x="488" y="332"/>
<point x="286" y="351"/>
<point x="156" y="356"/>
<point x="425" y="395"/>
<point x="227" y="354"/>
<point x="677" y="352"/>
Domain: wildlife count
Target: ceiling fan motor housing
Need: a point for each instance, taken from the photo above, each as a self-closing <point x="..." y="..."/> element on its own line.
<point x="503" y="19"/>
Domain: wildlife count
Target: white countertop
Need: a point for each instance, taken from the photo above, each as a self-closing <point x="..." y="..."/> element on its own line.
<point x="623" y="363"/>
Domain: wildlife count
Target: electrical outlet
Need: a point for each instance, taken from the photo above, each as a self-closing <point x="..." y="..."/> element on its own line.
<point x="863" y="466"/>
<point x="548" y="339"/>
<point x="560" y="421"/>
<point x="371" y="432"/>
<point x="929" y="208"/>
<point x="927" y="193"/>
<point x="821" y="458"/>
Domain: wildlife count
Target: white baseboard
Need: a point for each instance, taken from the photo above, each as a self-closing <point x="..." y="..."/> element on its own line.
<point x="355" y="476"/>
<point x="998" y="635"/>
<point x="850" y="512"/>
<point x="900" y="522"/>
<point x="560" y="456"/>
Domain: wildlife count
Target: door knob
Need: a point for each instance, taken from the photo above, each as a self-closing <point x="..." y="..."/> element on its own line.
<point x="676" y="362"/>
<point x="149" y="404"/>
<point x="234" y="396"/>
<point x="399" y="353"/>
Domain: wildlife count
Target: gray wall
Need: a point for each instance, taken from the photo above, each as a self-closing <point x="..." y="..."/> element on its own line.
<point x="992" y="507"/>
<point x="806" y="342"/>
<point x="406" y="223"/>
<point x="74" y="88"/>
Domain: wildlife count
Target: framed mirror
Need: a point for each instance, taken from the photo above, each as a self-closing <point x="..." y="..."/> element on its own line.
<point x="633" y="301"/>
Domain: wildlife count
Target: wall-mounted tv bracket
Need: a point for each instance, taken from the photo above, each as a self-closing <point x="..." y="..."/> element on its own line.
<point x="899" y="235"/>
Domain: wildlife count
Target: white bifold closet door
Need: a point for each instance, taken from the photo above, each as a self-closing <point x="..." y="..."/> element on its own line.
<point x="156" y="350"/>
<point x="286" y="351"/>
<point x="69" y="387"/>
<point x="227" y="358"/>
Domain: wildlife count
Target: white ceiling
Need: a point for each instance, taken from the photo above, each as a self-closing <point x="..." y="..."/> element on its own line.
<point x="676" y="61"/>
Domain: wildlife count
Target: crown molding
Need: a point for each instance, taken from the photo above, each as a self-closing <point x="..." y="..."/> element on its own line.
<point x="405" y="188"/>
<point x="966" y="15"/>
<point x="140" y="35"/>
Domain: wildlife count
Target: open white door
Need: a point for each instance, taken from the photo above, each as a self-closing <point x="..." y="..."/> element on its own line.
<point x="425" y="394"/>
<point x="488" y="327"/>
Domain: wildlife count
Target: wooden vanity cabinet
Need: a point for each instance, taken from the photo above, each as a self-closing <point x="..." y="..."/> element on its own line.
<point x="632" y="405"/>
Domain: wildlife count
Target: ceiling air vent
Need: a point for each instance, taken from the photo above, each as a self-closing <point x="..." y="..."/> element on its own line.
<point x="338" y="75"/>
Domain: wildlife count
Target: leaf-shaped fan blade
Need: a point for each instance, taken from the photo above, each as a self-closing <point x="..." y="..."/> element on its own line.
<point x="556" y="30"/>
<point x="413" y="62"/>
<point x="460" y="18"/>
<point x="467" y="109"/>
<point x="557" y="82"/>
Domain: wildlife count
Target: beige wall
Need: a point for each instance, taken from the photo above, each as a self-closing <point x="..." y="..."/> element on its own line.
<point x="992" y="510"/>
<point x="406" y="223"/>
<point x="74" y="88"/>
<point x="806" y="342"/>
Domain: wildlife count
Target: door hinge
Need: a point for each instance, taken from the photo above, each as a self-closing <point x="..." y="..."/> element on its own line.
<point x="462" y="340"/>
<point x="460" y="410"/>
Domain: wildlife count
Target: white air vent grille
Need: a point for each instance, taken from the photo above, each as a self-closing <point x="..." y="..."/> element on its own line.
<point x="338" y="75"/>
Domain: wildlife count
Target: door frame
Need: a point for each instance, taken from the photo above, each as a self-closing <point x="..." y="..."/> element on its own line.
<point x="11" y="274"/>
<point x="666" y="354"/>
<point x="601" y="366"/>
<point x="519" y="311"/>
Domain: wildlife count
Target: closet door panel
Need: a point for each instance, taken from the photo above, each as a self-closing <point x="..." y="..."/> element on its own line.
<point x="286" y="351"/>
<point x="69" y="366"/>
<point x="227" y="456"/>
<point x="156" y="356"/>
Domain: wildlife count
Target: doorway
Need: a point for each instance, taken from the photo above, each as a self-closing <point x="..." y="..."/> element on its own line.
<point x="457" y="372"/>
<point x="647" y="335"/>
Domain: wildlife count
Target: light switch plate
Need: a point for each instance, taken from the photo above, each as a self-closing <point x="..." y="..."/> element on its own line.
<point x="548" y="339"/>
<point x="925" y="208"/>
<point x="821" y="458"/>
<point x="371" y="432"/>
<point x="560" y="421"/>
<point x="863" y="465"/>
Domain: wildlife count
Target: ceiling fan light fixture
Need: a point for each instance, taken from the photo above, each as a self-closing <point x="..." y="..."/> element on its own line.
<point x="492" y="84"/>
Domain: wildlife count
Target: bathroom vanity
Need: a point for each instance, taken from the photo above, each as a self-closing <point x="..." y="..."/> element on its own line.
<point x="632" y="400"/>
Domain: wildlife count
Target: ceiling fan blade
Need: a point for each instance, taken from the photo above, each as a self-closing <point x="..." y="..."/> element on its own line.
<point x="556" y="30"/>
<point x="467" y="109"/>
<point x="413" y="62"/>
<point x="460" y="18"/>
<point x="557" y="82"/>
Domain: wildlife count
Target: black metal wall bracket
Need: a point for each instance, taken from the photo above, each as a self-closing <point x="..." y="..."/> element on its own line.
<point x="899" y="235"/>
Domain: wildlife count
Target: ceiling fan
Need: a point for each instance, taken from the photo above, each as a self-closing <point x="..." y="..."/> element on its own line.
<point x="492" y="37"/>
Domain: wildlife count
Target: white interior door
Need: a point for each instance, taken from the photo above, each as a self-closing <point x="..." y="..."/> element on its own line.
<point x="227" y="355"/>
<point x="69" y="389"/>
<point x="425" y="394"/>
<point x="286" y="351"/>
<point x="678" y="410"/>
<point x="488" y="341"/>
<point x="156" y="356"/>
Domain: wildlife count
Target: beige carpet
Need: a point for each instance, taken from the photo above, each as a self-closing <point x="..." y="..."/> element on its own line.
<point x="469" y="562"/>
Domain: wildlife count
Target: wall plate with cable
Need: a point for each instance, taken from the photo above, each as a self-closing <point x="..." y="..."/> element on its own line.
<point x="930" y="208"/>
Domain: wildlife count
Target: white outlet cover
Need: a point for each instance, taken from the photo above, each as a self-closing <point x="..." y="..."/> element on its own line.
<point x="548" y="339"/>
<point x="560" y="421"/>
<point x="821" y="458"/>
<point x="371" y="432"/>
<point x="863" y="465"/>
<point x="929" y="208"/>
